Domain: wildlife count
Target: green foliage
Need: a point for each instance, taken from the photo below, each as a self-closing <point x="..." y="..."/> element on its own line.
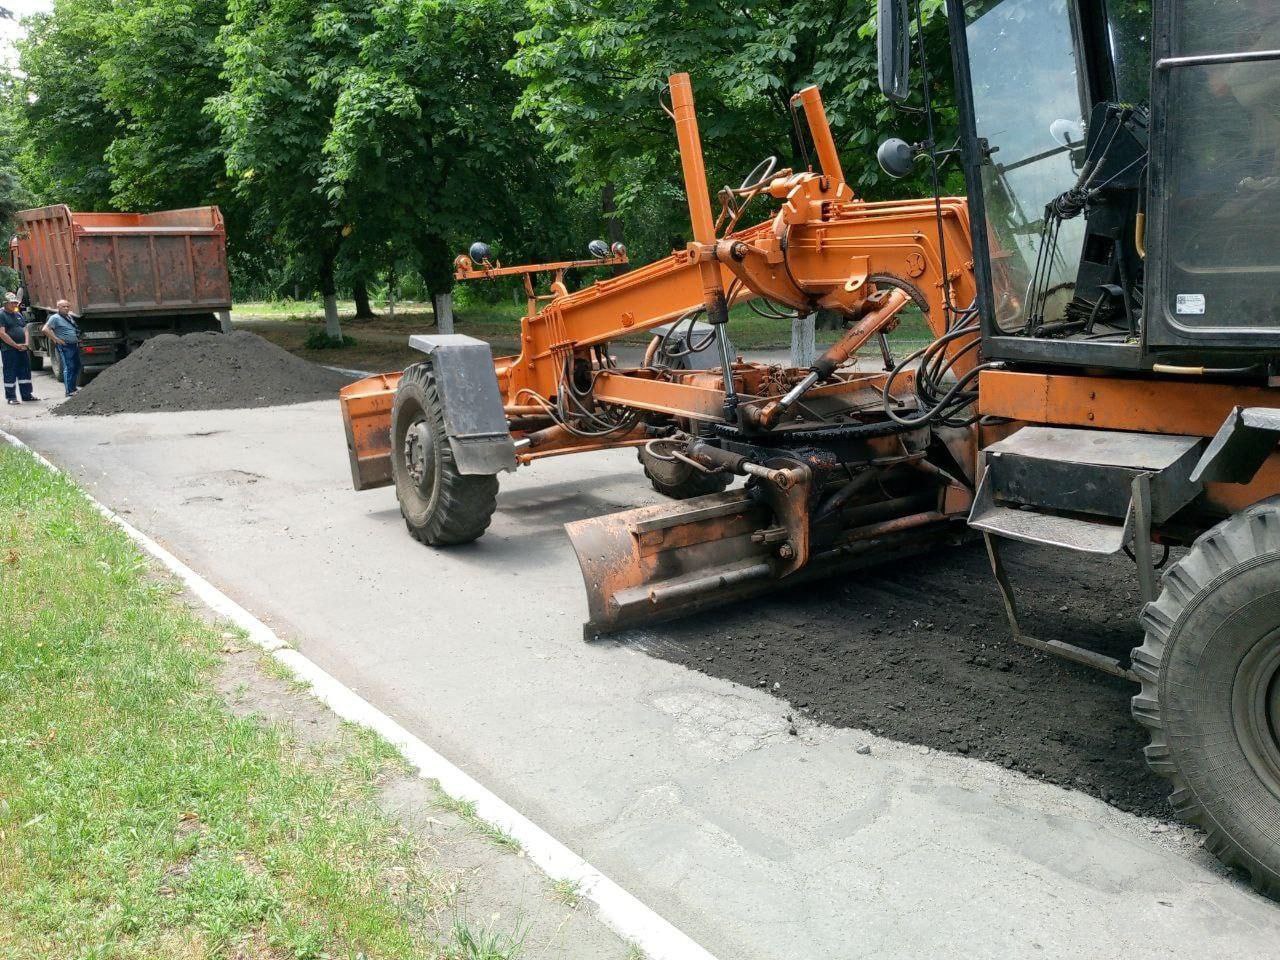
<point x="65" y="122"/>
<point x="595" y="71"/>
<point x="370" y="139"/>
<point x="317" y="339"/>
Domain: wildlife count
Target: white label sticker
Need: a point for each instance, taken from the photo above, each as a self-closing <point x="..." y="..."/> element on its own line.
<point x="1191" y="303"/>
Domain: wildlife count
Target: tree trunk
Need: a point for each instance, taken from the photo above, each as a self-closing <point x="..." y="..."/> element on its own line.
<point x="612" y="225"/>
<point x="803" y="341"/>
<point x="442" y="303"/>
<point x="329" y="291"/>
<point x="392" y="283"/>
<point x="360" y="292"/>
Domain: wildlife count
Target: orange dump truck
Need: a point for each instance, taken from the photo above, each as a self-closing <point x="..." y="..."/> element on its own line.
<point x="127" y="276"/>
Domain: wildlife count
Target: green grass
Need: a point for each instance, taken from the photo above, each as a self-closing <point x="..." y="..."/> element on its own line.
<point x="138" y="816"/>
<point x="467" y="811"/>
<point x="317" y="339"/>
<point x="567" y="892"/>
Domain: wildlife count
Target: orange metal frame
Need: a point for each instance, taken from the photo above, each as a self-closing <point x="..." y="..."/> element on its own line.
<point x="822" y="249"/>
<point x="1147" y="405"/>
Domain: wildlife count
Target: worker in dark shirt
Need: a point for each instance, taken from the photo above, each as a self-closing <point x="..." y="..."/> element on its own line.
<point x="14" y="355"/>
<point x="62" y="329"/>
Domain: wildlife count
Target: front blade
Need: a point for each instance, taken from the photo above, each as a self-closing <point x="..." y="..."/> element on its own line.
<point x="669" y="559"/>
<point x="673" y="559"/>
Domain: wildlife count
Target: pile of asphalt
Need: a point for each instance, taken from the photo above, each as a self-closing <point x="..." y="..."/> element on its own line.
<point x="204" y="371"/>
<point x="920" y="652"/>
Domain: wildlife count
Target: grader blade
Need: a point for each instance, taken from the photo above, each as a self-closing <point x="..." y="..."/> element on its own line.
<point x="669" y="560"/>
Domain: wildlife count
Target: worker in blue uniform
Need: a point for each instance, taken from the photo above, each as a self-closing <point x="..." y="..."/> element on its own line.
<point x="15" y="355"/>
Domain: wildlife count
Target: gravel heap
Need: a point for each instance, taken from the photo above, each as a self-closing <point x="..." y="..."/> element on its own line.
<point x="204" y="371"/>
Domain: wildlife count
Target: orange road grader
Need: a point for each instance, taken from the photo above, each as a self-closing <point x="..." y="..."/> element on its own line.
<point x="1104" y="374"/>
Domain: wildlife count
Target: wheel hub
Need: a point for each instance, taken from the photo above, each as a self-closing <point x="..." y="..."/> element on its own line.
<point x="418" y="452"/>
<point x="1256" y="707"/>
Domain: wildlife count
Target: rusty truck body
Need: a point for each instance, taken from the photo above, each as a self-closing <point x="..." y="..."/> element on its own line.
<point x="127" y="276"/>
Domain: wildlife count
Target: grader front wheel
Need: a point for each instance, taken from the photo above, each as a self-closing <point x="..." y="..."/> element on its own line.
<point x="1210" y="671"/>
<point x="441" y="506"/>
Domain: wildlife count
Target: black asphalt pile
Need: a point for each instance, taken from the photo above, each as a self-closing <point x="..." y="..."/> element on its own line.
<point x="920" y="652"/>
<point x="204" y="371"/>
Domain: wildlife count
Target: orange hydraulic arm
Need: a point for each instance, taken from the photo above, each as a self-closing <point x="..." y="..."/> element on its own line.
<point x="823" y="249"/>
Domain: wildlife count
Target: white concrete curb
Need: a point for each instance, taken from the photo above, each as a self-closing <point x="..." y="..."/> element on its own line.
<point x="621" y="911"/>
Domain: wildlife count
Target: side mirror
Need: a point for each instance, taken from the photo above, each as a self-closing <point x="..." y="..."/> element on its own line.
<point x="896" y="158"/>
<point x="893" y="47"/>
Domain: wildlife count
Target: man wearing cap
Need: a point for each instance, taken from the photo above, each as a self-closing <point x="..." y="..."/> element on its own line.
<point x="14" y="357"/>
<point x="62" y="329"/>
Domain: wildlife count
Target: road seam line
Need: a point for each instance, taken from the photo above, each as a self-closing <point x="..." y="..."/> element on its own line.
<point x="621" y="911"/>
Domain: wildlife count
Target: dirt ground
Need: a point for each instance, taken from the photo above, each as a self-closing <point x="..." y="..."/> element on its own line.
<point x="921" y="653"/>
<point x="381" y="344"/>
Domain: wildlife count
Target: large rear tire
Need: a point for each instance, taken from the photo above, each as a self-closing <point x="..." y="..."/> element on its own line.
<point x="440" y="506"/>
<point x="678" y="480"/>
<point x="1210" y="672"/>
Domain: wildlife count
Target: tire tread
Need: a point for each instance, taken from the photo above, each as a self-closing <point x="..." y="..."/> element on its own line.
<point x="466" y="502"/>
<point x="1215" y="553"/>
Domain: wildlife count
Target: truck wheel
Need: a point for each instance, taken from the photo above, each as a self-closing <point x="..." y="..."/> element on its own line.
<point x="33" y="337"/>
<point x="1210" y="672"/>
<point x="55" y="362"/>
<point x="440" y="506"/>
<point x="677" y="480"/>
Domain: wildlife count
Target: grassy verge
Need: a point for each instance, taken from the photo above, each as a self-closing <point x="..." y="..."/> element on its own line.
<point x="138" y="816"/>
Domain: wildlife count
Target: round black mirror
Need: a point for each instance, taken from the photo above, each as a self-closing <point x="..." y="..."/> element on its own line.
<point x="896" y="157"/>
<point x="598" y="249"/>
<point x="480" y="252"/>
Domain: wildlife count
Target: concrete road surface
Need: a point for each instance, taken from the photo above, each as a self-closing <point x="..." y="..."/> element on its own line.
<point x="687" y="790"/>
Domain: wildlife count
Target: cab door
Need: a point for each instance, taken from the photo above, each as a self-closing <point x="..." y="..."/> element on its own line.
<point x="1213" y="269"/>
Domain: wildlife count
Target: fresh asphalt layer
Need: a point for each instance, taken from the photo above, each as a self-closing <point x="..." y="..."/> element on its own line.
<point x="689" y="791"/>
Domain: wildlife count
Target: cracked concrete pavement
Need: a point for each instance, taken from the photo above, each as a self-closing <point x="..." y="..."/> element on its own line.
<point x="689" y="791"/>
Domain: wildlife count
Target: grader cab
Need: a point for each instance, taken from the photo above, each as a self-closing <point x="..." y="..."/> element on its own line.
<point x="1104" y="374"/>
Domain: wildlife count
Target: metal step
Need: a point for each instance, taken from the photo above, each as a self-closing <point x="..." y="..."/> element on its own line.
<point x="1089" y="491"/>
<point x="1069" y="533"/>
<point x="1075" y="471"/>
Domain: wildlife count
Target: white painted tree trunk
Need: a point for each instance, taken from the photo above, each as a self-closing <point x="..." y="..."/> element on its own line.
<point x="391" y="303"/>
<point x="444" y="312"/>
<point x="224" y="318"/>
<point x="331" y="325"/>
<point x="804" y="341"/>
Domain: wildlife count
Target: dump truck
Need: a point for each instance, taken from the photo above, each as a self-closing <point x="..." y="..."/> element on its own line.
<point x="1103" y="380"/>
<point x="127" y="276"/>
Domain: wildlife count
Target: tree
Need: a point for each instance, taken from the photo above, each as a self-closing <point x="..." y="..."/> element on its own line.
<point x="63" y="120"/>
<point x="595" y="72"/>
<point x="166" y="152"/>
<point x="283" y="59"/>
<point x="425" y="145"/>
